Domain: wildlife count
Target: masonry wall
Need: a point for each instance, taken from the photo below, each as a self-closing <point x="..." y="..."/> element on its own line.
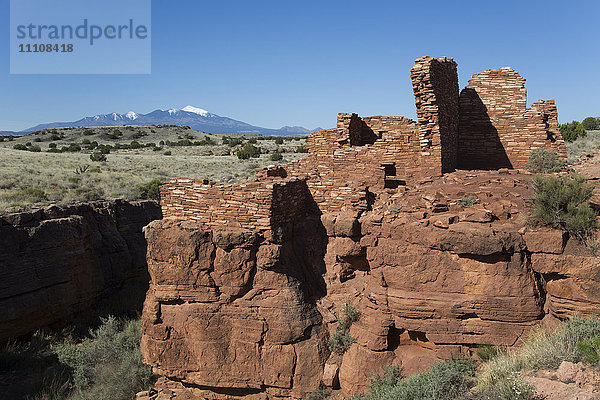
<point x="435" y="85"/>
<point x="496" y="129"/>
<point x="253" y="205"/>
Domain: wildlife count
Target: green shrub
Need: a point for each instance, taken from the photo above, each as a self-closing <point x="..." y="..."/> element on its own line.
<point x="444" y="380"/>
<point x="301" y="149"/>
<point x="542" y="161"/>
<point x="564" y="203"/>
<point x="279" y="140"/>
<point x="89" y="194"/>
<point x="35" y="148"/>
<point x="486" y="352"/>
<point x="319" y="394"/>
<point x="468" y="200"/>
<point x="571" y="131"/>
<point x="249" y="150"/>
<point x="149" y="190"/>
<point x="52" y="145"/>
<point x="341" y="340"/>
<point x="590" y="349"/>
<point x="33" y="195"/>
<point x="135" y="145"/>
<point x="167" y="153"/>
<point x="98" y="156"/>
<point x="108" y="365"/>
<point x="276" y="156"/>
<point x="591" y="124"/>
<point x="20" y="147"/>
<point x="541" y="349"/>
<point x="88" y="132"/>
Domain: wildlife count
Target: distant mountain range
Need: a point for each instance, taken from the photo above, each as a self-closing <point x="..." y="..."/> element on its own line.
<point x="196" y="118"/>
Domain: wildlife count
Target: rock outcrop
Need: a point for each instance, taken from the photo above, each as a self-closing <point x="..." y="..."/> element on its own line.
<point x="249" y="282"/>
<point x="57" y="261"/>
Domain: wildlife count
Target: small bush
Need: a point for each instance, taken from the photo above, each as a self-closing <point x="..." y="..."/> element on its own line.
<point x="109" y="364"/>
<point x="88" y="132"/>
<point x="444" y="380"/>
<point x="564" y="203"/>
<point x="279" y="140"/>
<point x="542" y="349"/>
<point x="276" y="156"/>
<point x="542" y="161"/>
<point x="98" y="156"/>
<point x="571" y="131"/>
<point x="149" y="190"/>
<point x="319" y="394"/>
<point x="167" y="153"/>
<point x="486" y="352"/>
<point x="33" y="195"/>
<point x="301" y="149"/>
<point x="341" y="340"/>
<point x="591" y="124"/>
<point x="35" y="148"/>
<point x="249" y="150"/>
<point x="468" y="200"/>
<point x="20" y="147"/>
<point x="590" y="349"/>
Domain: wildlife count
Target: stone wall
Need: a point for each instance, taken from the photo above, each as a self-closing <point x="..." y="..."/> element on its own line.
<point x="497" y="130"/>
<point x="258" y="204"/>
<point x="435" y="84"/>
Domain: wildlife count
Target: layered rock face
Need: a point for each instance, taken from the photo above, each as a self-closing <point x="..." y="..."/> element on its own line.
<point x="242" y="313"/>
<point x="249" y="282"/>
<point x="60" y="260"/>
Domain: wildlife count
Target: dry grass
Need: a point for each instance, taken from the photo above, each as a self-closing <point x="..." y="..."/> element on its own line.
<point x="29" y="179"/>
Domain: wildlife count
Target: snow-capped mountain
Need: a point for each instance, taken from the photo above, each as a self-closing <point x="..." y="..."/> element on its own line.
<point x="194" y="117"/>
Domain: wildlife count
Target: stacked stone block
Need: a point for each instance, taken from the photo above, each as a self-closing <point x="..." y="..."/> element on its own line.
<point x="435" y="85"/>
<point x="497" y="130"/>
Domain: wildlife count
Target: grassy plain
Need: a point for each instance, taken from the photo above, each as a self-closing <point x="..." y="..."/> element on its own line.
<point x="31" y="178"/>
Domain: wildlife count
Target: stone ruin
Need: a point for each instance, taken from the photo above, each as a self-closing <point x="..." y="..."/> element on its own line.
<point x="248" y="280"/>
<point x="486" y="126"/>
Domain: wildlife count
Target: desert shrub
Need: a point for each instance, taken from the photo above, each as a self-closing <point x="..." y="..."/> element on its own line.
<point x="541" y="349"/>
<point x="88" y="132"/>
<point x="98" y="156"/>
<point x="544" y="161"/>
<point x="341" y="340"/>
<point x="52" y="145"/>
<point x="54" y="150"/>
<point x="486" y="352"/>
<point x="571" y="131"/>
<point x="149" y="190"/>
<point x="319" y="394"/>
<point x="108" y="364"/>
<point x="276" y="156"/>
<point x="33" y="195"/>
<point x="35" y="148"/>
<point x="252" y="140"/>
<point x="591" y="124"/>
<point x="37" y="139"/>
<point x="278" y="140"/>
<point x="444" y="380"/>
<point x="468" y="200"/>
<point x="104" y="149"/>
<point x="72" y="148"/>
<point x="20" y="147"/>
<point x="54" y="137"/>
<point x="135" y="145"/>
<point x="564" y="203"/>
<point x="249" y="150"/>
<point x="167" y="153"/>
<point x="301" y="149"/>
<point x="589" y="349"/>
<point x="89" y="194"/>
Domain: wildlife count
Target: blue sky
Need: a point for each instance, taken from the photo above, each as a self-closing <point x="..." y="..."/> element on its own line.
<point x="275" y="63"/>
